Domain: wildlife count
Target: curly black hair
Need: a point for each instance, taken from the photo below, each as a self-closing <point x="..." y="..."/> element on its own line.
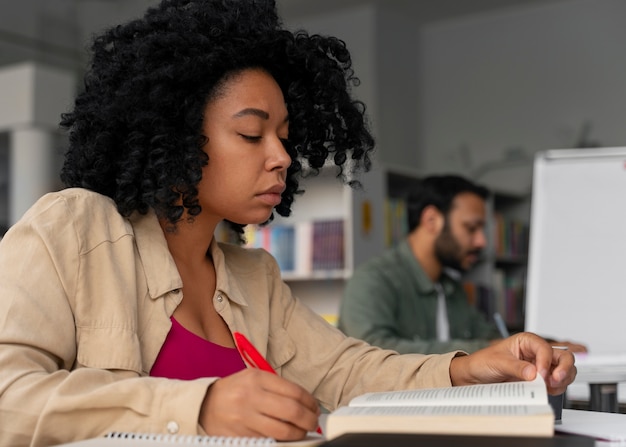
<point x="135" y="132"/>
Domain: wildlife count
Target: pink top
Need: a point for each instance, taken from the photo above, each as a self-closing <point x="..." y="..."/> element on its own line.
<point x="184" y="355"/>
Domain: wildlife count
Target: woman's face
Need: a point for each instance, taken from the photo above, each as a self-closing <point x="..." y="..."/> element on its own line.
<point x="245" y="125"/>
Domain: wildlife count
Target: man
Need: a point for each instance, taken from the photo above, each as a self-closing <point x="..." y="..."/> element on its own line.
<point x="410" y="299"/>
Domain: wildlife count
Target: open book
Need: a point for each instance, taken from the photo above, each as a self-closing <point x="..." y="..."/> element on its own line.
<point x="510" y="409"/>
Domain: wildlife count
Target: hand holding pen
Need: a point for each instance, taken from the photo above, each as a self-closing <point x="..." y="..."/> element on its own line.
<point x="253" y="403"/>
<point x="253" y="357"/>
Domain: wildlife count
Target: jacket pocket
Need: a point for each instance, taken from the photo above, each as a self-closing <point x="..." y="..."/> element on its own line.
<point x="108" y="348"/>
<point x="281" y="348"/>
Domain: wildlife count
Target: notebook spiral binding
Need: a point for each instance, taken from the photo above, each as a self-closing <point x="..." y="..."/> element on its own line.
<point x="192" y="440"/>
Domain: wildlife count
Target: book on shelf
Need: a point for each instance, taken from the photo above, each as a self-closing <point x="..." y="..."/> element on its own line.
<point x="397" y="222"/>
<point x="511" y="237"/>
<point x="509" y="296"/>
<point x="505" y="296"/>
<point x="327" y="249"/>
<point x="472" y="291"/>
<point x="279" y="240"/>
<point x="503" y="409"/>
<point x="303" y="247"/>
<point x="481" y="297"/>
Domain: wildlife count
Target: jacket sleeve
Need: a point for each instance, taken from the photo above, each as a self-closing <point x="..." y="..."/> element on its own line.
<point x="335" y="368"/>
<point x="368" y="312"/>
<point x="47" y="396"/>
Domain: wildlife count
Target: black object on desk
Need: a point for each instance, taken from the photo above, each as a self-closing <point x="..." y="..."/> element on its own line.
<point x="603" y="373"/>
<point x="422" y="440"/>
<point x="603" y="397"/>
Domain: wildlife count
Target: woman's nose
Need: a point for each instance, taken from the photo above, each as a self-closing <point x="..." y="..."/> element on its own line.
<point x="279" y="159"/>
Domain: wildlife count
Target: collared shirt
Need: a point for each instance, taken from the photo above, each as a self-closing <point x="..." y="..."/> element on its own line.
<point x="392" y="303"/>
<point x="85" y="303"/>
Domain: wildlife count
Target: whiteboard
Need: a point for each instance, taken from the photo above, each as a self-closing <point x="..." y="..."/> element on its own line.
<point x="576" y="285"/>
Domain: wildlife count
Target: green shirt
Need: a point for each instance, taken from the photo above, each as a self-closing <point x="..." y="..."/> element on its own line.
<point x="390" y="302"/>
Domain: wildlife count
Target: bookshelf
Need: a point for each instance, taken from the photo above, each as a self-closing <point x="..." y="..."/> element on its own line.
<point x="304" y="250"/>
<point x="361" y="214"/>
<point x="366" y="227"/>
<point x="498" y="278"/>
<point x="510" y="255"/>
<point x="319" y="238"/>
<point x="398" y="181"/>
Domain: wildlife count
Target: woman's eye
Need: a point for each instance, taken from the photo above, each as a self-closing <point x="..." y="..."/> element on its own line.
<point x="252" y="138"/>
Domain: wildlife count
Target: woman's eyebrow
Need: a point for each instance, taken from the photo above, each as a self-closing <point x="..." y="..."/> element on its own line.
<point x="256" y="112"/>
<point x="252" y="111"/>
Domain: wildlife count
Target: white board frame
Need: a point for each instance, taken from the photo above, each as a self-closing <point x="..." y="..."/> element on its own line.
<point x="576" y="284"/>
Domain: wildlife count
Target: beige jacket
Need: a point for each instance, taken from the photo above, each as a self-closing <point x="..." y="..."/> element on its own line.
<point x="85" y="301"/>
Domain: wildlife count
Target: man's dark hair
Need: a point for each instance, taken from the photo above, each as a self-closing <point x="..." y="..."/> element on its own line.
<point x="135" y="130"/>
<point x="439" y="191"/>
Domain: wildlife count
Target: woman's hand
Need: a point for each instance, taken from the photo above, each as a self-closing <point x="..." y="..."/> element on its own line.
<point x="257" y="403"/>
<point x="519" y="357"/>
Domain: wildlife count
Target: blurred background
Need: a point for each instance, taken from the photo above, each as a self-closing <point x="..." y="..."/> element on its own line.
<point x="474" y="86"/>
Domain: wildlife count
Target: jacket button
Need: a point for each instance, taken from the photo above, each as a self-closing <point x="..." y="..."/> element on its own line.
<point x="172" y="427"/>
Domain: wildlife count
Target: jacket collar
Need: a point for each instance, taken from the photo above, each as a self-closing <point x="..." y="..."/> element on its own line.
<point x="160" y="269"/>
<point x="424" y="283"/>
<point x="159" y="266"/>
<point x="226" y="279"/>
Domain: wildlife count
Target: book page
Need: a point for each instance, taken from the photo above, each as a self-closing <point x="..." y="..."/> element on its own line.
<point x="444" y="410"/>
<point x="508" y="393"/>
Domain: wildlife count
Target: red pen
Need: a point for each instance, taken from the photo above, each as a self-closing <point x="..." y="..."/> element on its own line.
<point x="250" y="355"/>
<point x="253" y="357"/>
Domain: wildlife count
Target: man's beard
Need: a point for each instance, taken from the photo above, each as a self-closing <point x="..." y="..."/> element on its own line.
<point x="449" y="252"/>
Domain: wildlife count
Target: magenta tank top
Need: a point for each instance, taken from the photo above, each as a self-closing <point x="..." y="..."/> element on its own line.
<point x="184" y="355"/>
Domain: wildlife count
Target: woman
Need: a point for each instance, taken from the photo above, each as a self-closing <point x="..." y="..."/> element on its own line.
<point x="118" y="306"/>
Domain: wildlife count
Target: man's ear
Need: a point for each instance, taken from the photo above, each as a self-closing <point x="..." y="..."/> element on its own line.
<point x="432" y="219"/>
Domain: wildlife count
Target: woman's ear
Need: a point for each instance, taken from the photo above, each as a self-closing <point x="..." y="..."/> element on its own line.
<point x="432" y="219"/>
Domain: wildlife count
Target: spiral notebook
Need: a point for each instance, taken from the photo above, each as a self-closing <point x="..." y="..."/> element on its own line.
<point x="121" y="439"/>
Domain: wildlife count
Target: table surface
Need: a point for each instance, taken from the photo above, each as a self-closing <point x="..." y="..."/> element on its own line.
<point x="610" y="427"/>
<point x="598" y="369"/>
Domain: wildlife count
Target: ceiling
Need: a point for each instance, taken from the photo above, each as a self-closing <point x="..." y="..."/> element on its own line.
<point x="56" y="32"/>
<point x="423" y="11"/>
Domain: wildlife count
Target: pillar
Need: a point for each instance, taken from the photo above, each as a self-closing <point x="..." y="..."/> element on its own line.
<point x="33" y="98"/>
<point x="32" y="164"/>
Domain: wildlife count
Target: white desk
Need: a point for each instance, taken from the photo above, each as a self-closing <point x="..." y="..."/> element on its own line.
<point x="609" y="429"/>
<point x="604" y="375"/>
